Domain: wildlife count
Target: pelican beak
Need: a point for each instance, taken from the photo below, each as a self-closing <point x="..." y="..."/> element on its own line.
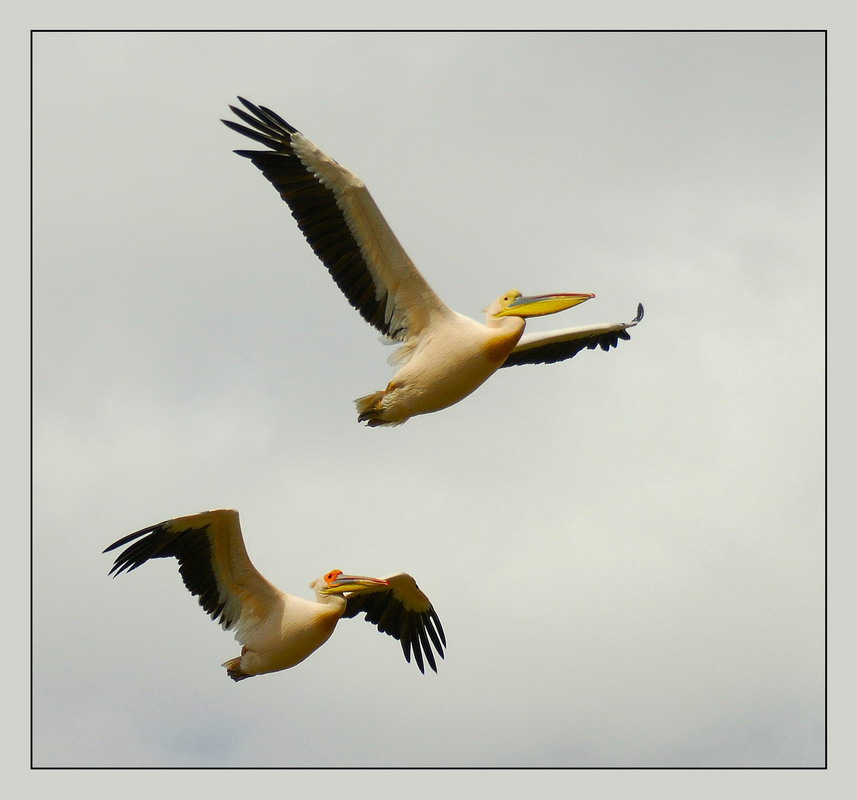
<point x="542" y="304"/>
<point x="340" y="584"/>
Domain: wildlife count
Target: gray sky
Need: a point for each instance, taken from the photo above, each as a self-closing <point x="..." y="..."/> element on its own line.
<point x="626" y="550"/>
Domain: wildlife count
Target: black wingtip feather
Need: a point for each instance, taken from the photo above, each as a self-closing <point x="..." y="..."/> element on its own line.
<point x="129" y="538"/>
<point x="309" y="200"/>
<point x="272" y="115"/>
<point x="426" y="647"/>
<point x="438" y="626"/>
<point x="415" y="647"/>
<point x="561" y="351"/>
<point x="433" y="634"/>
<point x="266" y="139"/>
<point x="190" y="547"/>
<point x="416" y="631"/>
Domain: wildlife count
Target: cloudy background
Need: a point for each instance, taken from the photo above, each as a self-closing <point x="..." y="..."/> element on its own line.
<point x="626" y="550"/>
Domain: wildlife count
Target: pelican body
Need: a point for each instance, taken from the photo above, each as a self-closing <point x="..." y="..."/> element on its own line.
<point x="278" y="630"/>
<point x="444" y="356"/>
<point x="446" y="363"/>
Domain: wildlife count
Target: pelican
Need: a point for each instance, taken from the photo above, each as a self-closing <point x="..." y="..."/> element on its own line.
<point x="278" y="630"/>
<point x="444" y="355"/>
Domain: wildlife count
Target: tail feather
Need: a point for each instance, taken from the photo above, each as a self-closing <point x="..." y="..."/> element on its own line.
<point x="369" y="409"/>
<point x="233" y="669"/>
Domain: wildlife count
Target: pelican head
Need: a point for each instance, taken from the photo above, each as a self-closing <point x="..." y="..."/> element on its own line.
<point x="514" y="304"/>
<point x="337" y="583"/>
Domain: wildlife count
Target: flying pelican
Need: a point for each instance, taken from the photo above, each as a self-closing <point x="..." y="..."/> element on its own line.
<point x="444" y="355"/>
<point x="278" y="630"/>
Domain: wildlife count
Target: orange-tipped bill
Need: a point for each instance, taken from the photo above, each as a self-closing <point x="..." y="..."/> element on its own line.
<point x="337" y="583"/>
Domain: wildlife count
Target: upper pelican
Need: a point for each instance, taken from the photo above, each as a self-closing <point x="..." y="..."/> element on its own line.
<point x="444" y="355"/>
<point x="278" y="630"/>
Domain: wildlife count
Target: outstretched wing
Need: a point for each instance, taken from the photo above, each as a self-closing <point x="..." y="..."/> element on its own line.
<point x="342" y="224"/>
<point x="213" y="563"/>
<point x="404" y="612"/>
<point x="559" y="345"/>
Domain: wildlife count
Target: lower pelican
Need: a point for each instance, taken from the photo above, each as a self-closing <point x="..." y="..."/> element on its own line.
<point x="444" y="355"/>
<point x="279" y="630"/>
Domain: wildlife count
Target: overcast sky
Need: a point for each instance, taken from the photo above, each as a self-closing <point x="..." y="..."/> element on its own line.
<point x="626" y="550"/>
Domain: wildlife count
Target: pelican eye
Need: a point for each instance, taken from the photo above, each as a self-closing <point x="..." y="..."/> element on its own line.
<point x="332" y="575"/>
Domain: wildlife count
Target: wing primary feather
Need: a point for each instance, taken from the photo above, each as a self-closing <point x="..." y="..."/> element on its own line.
<point x="417" y="631"/>
<point x="315" y="208"/>
<point x="266" y="114"/>
<point x="257" y="123"/>
<point x="124" y="540"/>
<point x="191" y="547"/>
<point x="550" y="352"/>
<point x="426" y="647"/>
<point x="274" y="117"/>
<point x="436" y="620"/>
<point x="429" y="626"/>
<point x="406" y="647"/>
<point x="415" y="647"/>
<point x="259" y="137"/>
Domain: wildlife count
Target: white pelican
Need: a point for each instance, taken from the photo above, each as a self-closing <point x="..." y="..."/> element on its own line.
<point x="279" y="630"/>
<point x="444" y="355"/>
